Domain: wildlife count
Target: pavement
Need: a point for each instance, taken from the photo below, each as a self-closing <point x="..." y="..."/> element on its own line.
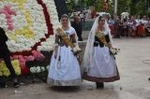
<point x="133" y="62"/>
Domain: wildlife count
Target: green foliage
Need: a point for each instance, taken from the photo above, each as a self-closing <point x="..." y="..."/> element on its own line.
<point x="123" y="6"/>
<point x="71" y="6"/>
<point x="134" y="7"/>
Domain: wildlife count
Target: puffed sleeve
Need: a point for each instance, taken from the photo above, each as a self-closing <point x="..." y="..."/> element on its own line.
<point x="72" y="31"/>
<point x="107" y="38"/>
<point x="73" y="35"/>
<point x="73" y="38"/>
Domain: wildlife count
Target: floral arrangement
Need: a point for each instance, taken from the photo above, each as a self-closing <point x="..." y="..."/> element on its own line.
<point x="50" y="4"/>
<point x="36" y="55"/>
<point x="39" y="72"/>
<point x="114" y="51"/>
<point x="38" y="69"/>
<point x="48" y="45"/>
<point x="4" y="70"/>
<point x="101" y="37"/>
<point x="29" y="26"/>
<point x="28" y="23"/>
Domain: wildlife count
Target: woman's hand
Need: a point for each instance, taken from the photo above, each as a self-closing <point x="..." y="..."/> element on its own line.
<point x="55" y="55"/>
<point x="110" y="46"/>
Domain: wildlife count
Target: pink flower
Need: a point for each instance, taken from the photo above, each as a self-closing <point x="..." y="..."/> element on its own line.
<point x="29" y="58"/>
<point x="38" y="55"/>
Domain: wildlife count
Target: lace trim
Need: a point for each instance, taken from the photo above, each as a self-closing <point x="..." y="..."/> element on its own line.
<point x="75" y="82"/>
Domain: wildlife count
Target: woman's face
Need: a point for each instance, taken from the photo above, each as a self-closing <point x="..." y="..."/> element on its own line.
<point x="102" y="21"/>
<point x="64" y="21"/>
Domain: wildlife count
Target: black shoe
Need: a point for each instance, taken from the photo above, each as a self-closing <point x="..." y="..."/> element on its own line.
<point x="3" y="85"/>
<point x="16" y="85"/>
<point x="99" y="85"/>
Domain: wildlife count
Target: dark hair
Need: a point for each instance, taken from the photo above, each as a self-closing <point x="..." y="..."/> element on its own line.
<point x="100" y="17"/>
<point x="64" y="16"/>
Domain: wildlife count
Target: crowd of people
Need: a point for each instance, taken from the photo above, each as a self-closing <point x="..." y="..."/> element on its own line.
<point x="131" y="26"/>
<point x="138" y="26"/>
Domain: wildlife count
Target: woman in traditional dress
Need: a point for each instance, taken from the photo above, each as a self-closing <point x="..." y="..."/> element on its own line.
<point x="141" y="30"/>
<point x="99" y="65"/>
<point x="64" y="67"/>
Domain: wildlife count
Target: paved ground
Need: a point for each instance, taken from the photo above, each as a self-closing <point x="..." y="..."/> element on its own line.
<point x="134" y="67"/>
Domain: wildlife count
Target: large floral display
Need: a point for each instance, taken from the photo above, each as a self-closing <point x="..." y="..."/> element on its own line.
<point x="29" y="25"/>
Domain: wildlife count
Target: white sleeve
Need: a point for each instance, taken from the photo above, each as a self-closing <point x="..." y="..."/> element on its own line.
<point x="72" y="31"/>
<point x="54" y="31"/>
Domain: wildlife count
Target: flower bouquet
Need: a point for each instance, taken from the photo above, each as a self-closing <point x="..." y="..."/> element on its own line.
<point x="101" y="37"/>
<point x="76" y="49"/>
<point x="39" y="72"/>
<point x="4" y="71"/>
<point x="114" y="51"/>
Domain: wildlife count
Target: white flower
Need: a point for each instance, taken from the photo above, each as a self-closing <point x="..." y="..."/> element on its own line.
<point x="48" y="67"/>
<point x="37" y="24"/>
<point x="42" y="69"/>
<point x="33" y="70"/>
<point x="38" y="69"/>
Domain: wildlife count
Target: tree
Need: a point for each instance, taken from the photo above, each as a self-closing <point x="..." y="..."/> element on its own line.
<point x="70" y="6"/>
<point x="139" y="7"/>
<point x="134" y="7"/>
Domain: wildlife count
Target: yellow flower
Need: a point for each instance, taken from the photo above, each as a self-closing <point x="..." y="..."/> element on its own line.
<point x="16" y="66"/>
<point x="5" y="71"/>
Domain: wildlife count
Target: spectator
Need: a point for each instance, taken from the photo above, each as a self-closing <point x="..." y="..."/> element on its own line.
<point x="77" y="25"/>
<point x="4" y="54"/>
<point x="81" y="14"/>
